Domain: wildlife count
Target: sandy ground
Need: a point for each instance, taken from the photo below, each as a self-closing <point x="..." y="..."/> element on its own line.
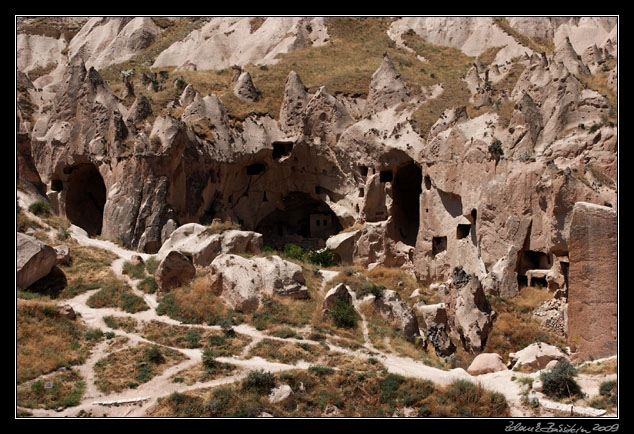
<point x="137" y="402"/>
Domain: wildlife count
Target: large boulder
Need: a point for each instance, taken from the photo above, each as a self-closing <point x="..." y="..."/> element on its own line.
<point x="536" y="356"/>
<point x="244" y="282"/>
<point x="392" y="307"/>
<point x="34" y="260"/>
<point x="174" y="270"/>
<point x="486" y="363"/>
<point x="202" y="244"/>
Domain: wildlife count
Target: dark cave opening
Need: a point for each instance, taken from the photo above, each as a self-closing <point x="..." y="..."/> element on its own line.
<point x="406" y="192"/>
<point x="304" y="221"/>
<point x="85" y="198"/>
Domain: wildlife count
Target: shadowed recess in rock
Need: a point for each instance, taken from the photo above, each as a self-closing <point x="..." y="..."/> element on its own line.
<point x="85" y="198"/>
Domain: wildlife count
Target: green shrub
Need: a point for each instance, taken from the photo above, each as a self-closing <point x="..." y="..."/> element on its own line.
<point x="154" y="354"/>
<point x="559" y="382"/>
<point x="495" y="148"/>
<point x="209" y="360"/>
<point x="259" y="381"/>
<point x="40" y="208"/>
<point x="371" y="288"/>
<point x="193" y="339"/>
<point x="293" y="251"/>
<point x="320" y="370"/>
<point x="323" y="258"/>
<point x="343" y="315"/>
<point x="389" y="387"/>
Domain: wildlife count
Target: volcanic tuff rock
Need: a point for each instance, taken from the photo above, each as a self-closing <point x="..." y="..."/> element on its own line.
<point x="34" y="260"/>
<point x="201" y="243"/>
<point x="391" y="306"/>
<point x="244" y="282"/>
<point x="593" y="287"/>
<point x="491" y="190"/>
<point x="174" y="270"/>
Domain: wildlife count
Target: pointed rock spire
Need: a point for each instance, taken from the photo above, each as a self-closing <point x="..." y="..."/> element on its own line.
<point x="566" y="54"/>
<point x="245" y="89"/>
<point x="387" y="88"/>
<point x="293" y="104"/>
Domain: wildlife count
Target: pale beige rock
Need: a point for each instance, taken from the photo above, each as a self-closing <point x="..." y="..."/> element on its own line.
<point x="486" y="363"/>
<point x="203" y="245"/>
<point x="245" y="89"/>
<point x="243" y="282"/>
<point x="536" y="356"/>
<point x="340" y="293"/>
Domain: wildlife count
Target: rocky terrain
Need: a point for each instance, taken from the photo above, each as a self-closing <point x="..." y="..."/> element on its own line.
<point x="273" y="208"/>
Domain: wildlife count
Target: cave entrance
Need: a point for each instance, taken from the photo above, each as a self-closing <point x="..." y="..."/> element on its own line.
<point x="85" y="198"/>
<point x="406" y="190"/>
<point x="304" y="220"/>
<point x="532" y="260"/>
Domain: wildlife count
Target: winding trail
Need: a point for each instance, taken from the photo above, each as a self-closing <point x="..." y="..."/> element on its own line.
<point x="138" y="402"/>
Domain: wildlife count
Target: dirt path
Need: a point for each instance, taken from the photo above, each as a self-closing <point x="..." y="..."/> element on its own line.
<point x="137" y="402"/>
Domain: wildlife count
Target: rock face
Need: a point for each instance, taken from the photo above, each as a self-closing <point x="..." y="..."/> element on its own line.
<point x="174" y="270"/>
<point x="436" y="322"/>
<point x="34" y="260"/>
<point x="469" y="313"/>
<point x="493" y="194"/>
<point x="593" y="291"/>
<point x="245" y="89"/>
<point x="387" y="88"/>
<point x="244" y="282"/>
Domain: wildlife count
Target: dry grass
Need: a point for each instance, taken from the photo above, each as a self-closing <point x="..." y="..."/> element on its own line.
<point x="66" y="391"/>
<point x="286" y="352"/>
<point x="88" y="268"/>
<point x="174" y="335"/>
<point x="514" y="328"/>
<point x="125" y="323"/>
<point x="194" y="304"/>
<point x="600" y="368"/>
<point x="355" y="394"/>
<point x="198" y="373"/>
<point x="538" y="45"/>
<point x="117" y="294"/>
<point x="130" y="367"/>
<point x="47" y="341"/>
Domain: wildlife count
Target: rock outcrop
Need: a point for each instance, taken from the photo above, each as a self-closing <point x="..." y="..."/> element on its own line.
<point x="469" y="314"/>
<point x="202" y="244"/>
<point x="174" y="270"/>
<point x="392" y="307"/>
<point x="535" y="357"/>
<point x="593" y="288"/>
<point x="34" y="260"/>
<point x="244" y="282"/>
